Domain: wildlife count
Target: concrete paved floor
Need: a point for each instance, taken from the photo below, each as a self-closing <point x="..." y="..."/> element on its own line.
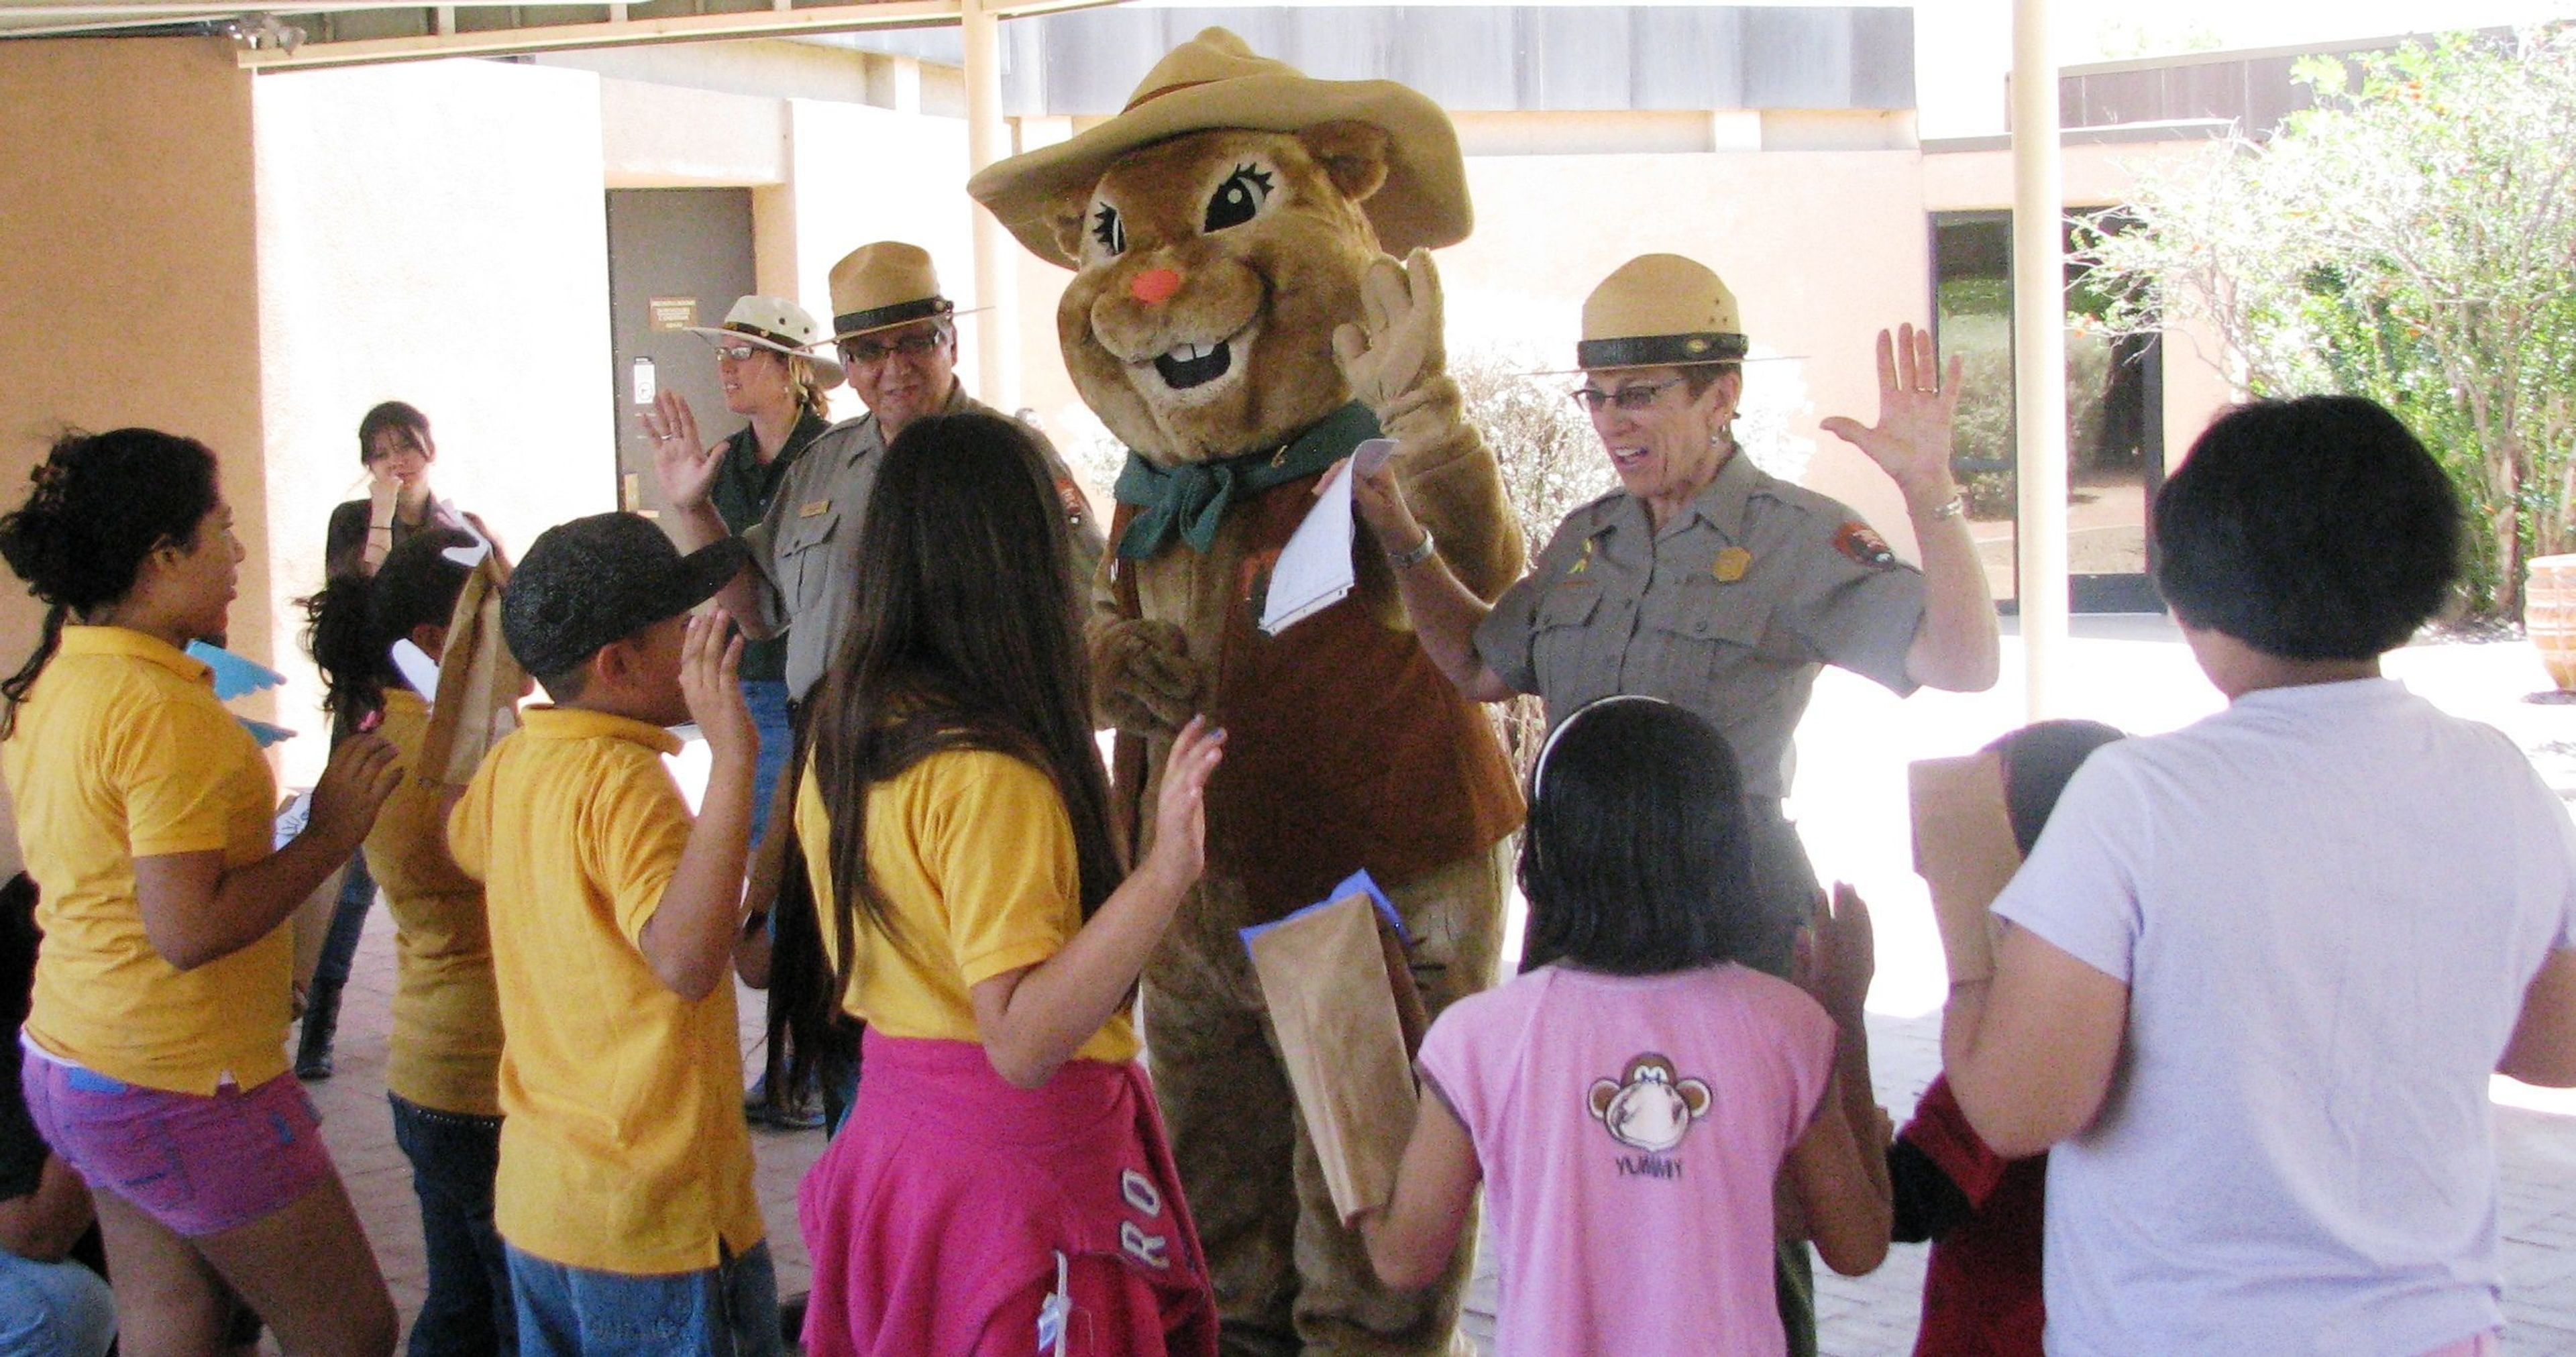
<point x="1853" y="748"/>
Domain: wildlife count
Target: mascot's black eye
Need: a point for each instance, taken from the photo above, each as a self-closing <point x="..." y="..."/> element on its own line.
<point x="1109" y="229"/>
<point x="1239" y="198"/>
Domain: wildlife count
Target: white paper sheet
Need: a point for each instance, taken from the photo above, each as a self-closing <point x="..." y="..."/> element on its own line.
<point x="1314" y="570"/>
<point x="417" y="668"/>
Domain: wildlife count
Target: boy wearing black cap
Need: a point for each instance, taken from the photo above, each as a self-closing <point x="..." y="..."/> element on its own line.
<point x="625" y="1187"/>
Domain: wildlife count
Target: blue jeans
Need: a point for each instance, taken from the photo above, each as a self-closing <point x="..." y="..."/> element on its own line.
<point x="53" y="1309"/>
<point x="348" y="924"/>
<point x="729" y="1310"/>
<point x="767" y="699"/>
<point x="453" y="1157"/>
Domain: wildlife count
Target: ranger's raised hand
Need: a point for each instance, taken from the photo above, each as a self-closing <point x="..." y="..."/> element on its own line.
<point x="1911" y="440"/>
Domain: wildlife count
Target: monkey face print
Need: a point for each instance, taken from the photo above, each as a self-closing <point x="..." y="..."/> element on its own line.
<point x="1650" y="1106"/>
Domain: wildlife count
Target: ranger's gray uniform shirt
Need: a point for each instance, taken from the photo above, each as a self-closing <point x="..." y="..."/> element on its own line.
<point x="807" y="549"/>
<point x="1749" y="591"/>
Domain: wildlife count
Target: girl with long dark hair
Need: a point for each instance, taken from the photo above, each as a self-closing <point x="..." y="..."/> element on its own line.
<point x="443" y="1059"/>
<point x="155" y="1063"/>
<point x="1005" y="1167"/>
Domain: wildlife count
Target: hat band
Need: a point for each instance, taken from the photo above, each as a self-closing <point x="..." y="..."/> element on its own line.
<point x="1656" y="351"/>
<point x="1151" y="95"/>
<point x="879" y="317"/>
<point x="744" y="327"/>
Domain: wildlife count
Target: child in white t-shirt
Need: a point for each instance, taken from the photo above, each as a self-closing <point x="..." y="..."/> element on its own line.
<point x="2259" y="970"/>
<point x="1630" y="1100"/>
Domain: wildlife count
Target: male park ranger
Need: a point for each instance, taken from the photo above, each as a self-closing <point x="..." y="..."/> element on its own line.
<point x="898" y="338"/>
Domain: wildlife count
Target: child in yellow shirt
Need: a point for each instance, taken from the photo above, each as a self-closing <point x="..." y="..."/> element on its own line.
<point x="155" y="1061"/>
<point x="1005" y="1184"/>
<point x="443" y="1060"/>
<point x="624" y="1195"/>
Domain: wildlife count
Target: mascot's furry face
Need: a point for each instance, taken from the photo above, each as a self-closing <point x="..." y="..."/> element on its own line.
<point x="1214" y="268"/>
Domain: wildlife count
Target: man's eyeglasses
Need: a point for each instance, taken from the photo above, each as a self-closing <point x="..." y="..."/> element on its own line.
<point x="1632" y="398"/>
<point x="866" y="352"/>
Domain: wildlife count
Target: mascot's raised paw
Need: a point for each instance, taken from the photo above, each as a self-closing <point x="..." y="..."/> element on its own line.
<point x="1144" y="677"/>
<point x="1396" y="348"/>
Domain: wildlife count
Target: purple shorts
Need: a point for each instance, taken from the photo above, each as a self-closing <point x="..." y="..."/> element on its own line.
<point x="197" y="1165"/>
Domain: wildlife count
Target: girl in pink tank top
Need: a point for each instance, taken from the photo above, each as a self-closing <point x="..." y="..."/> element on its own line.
<point x="1630" y="1100"/>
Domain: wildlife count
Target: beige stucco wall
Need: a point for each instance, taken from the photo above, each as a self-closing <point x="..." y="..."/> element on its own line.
<point x="432" y="233"/>
<point x="128" y="278"/>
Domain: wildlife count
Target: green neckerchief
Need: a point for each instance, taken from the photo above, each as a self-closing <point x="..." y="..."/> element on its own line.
<point x="1190" y="500"/>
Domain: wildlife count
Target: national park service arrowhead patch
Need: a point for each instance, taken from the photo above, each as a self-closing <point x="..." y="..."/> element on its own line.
<point x="1863" y="545"/>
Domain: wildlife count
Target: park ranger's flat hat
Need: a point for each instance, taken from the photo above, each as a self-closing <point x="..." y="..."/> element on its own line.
<point x="1216" y="80"/>
<point x="880" y="286"/>
<point x="780" y="326"/>
<point x="1660" y="310"/>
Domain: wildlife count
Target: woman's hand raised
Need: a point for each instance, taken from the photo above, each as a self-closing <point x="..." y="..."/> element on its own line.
<point x="1911" y="440"/>
<point x="686" y="469"/>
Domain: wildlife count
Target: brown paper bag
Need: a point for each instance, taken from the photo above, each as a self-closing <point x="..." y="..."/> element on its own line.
<point x="478" y="683"/>
<point x="1325" y="975"/>
<point x="1964" y="850"/>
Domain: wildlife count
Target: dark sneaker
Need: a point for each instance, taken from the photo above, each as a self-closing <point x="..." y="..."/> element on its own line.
<point x="803" y="1114"/>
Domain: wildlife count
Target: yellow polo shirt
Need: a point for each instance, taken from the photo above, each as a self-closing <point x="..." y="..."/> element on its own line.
<point x="445" y="1052"/>
<point x="623" y="1147"/>
<point x="122" y="752"/>
<point x="975" y="855"/>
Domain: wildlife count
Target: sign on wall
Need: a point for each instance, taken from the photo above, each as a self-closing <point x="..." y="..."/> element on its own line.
<point x="674" y="313"/>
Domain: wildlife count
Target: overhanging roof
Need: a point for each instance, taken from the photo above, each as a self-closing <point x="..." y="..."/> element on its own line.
<point x="1469" y="57"/>
<point x="283" y="33"/>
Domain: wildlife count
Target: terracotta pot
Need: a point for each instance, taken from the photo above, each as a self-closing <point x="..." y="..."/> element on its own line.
<point x="2549" y="616"/>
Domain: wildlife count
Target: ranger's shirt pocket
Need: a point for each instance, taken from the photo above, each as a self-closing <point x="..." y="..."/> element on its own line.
<point x="1574" y="661"/>
<point x="1693" y="636"/>
<point x="805" y="546"/>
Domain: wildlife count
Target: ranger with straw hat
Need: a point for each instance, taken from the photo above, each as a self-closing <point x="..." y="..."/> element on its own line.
<point x="1704" y="581"/>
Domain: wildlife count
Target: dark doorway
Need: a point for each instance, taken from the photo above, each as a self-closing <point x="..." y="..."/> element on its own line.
<point x="676" y="256"/>
<point x="2114" y="415"/>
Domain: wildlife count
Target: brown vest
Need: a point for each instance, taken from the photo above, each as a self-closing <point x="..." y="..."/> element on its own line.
<point x="1346" y="748"/>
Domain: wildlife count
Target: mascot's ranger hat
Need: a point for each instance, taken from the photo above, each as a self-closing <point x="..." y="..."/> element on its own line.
<point x="780" y="326"/>
<point x="880" y="286"/>
<point x="1659" y="310"/>
<point x="1216" y="81"/>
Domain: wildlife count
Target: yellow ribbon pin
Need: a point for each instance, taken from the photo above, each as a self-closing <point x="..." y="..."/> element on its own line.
<point x="1731" y="565"/>
<point x="1580" y="566"/>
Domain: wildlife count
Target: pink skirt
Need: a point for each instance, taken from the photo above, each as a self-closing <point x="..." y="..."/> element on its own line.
<point x="953" y="1207"/>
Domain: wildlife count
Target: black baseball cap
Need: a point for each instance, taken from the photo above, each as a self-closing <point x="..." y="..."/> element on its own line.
<point x="595" y="580"/>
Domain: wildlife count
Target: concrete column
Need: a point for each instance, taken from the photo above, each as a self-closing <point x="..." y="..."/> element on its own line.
<point x="2039" y="355"/>
<point x="997" y="280"/>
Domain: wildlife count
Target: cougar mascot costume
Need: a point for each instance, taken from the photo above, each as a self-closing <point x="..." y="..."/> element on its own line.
<point x="1234" y="319"/>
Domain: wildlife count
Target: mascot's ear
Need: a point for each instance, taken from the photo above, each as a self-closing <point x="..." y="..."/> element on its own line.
<point x="1063" y="215"/>
<point x="1354" y="154"/>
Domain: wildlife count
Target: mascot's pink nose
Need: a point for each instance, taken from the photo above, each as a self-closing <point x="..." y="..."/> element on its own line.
<point x="1154" y="286"/>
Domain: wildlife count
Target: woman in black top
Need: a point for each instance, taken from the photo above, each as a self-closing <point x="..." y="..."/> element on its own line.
<point x="395" y="447"/>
